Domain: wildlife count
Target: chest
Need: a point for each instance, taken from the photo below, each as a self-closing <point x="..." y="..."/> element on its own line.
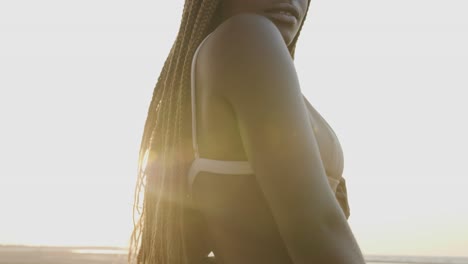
<point x="218" y="135"/>
<point x="331" y="151"/>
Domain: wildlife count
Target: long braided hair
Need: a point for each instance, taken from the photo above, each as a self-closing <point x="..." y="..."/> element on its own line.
<point x="160" y="233"/>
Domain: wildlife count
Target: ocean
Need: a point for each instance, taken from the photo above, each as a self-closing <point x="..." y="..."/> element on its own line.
<point x="107" y="255"/>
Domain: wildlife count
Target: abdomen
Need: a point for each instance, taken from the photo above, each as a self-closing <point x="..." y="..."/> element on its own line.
<point x="239" y="222"/>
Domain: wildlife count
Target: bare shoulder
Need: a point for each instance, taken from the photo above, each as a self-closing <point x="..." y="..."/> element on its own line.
<point x="242" y="48"/>
<point x="247" y="63"/>
<point x="241" y="33"/>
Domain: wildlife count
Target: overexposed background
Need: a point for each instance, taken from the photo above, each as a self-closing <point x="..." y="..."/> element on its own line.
<point x="76" y="78"/>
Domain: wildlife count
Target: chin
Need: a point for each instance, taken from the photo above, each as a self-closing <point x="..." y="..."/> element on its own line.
<point x="287" y="36"/>
<point x="286" y="32"/>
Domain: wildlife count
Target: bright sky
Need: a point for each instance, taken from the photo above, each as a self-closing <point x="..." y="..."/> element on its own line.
<point x="389" y="77"/>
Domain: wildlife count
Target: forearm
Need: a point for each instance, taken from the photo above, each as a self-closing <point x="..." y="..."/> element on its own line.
<point x="333" y="243"/>
<point x="340" y="246"/>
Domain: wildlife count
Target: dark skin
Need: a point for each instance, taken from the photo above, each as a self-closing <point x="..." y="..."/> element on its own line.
<point x="250" y="107"/>
<point x="288" y="31"/>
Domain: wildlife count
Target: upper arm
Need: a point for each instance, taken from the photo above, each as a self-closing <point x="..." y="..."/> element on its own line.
<point x="249" y="65"/>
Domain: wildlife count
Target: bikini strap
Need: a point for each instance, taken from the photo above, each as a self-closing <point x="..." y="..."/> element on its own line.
<point x="194" y="125"/>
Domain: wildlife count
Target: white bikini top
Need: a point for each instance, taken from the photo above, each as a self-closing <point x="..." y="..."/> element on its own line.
<point x="220" y="166"/>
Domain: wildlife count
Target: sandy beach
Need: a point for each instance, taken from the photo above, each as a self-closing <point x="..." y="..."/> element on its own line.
<point x="109" y="255"/>
<point x="61" y="255"/>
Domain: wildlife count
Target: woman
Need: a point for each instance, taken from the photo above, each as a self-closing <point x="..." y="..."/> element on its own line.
<point x="261" y="180"/>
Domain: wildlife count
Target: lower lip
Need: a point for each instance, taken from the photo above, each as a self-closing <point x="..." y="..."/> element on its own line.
<point x="284" y="18"/>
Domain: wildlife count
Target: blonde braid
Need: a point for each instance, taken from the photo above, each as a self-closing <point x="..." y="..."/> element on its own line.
<point x="160" y="226"/>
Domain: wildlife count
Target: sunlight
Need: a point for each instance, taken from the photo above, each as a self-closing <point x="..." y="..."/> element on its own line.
<point x="388" y="76"/>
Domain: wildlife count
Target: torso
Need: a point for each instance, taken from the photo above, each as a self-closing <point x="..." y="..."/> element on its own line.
<point x="239" y="222"/>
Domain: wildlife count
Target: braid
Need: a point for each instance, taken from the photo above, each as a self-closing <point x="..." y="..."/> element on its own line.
<point x="160" y="234"/>
<point x="292" y="47"/>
